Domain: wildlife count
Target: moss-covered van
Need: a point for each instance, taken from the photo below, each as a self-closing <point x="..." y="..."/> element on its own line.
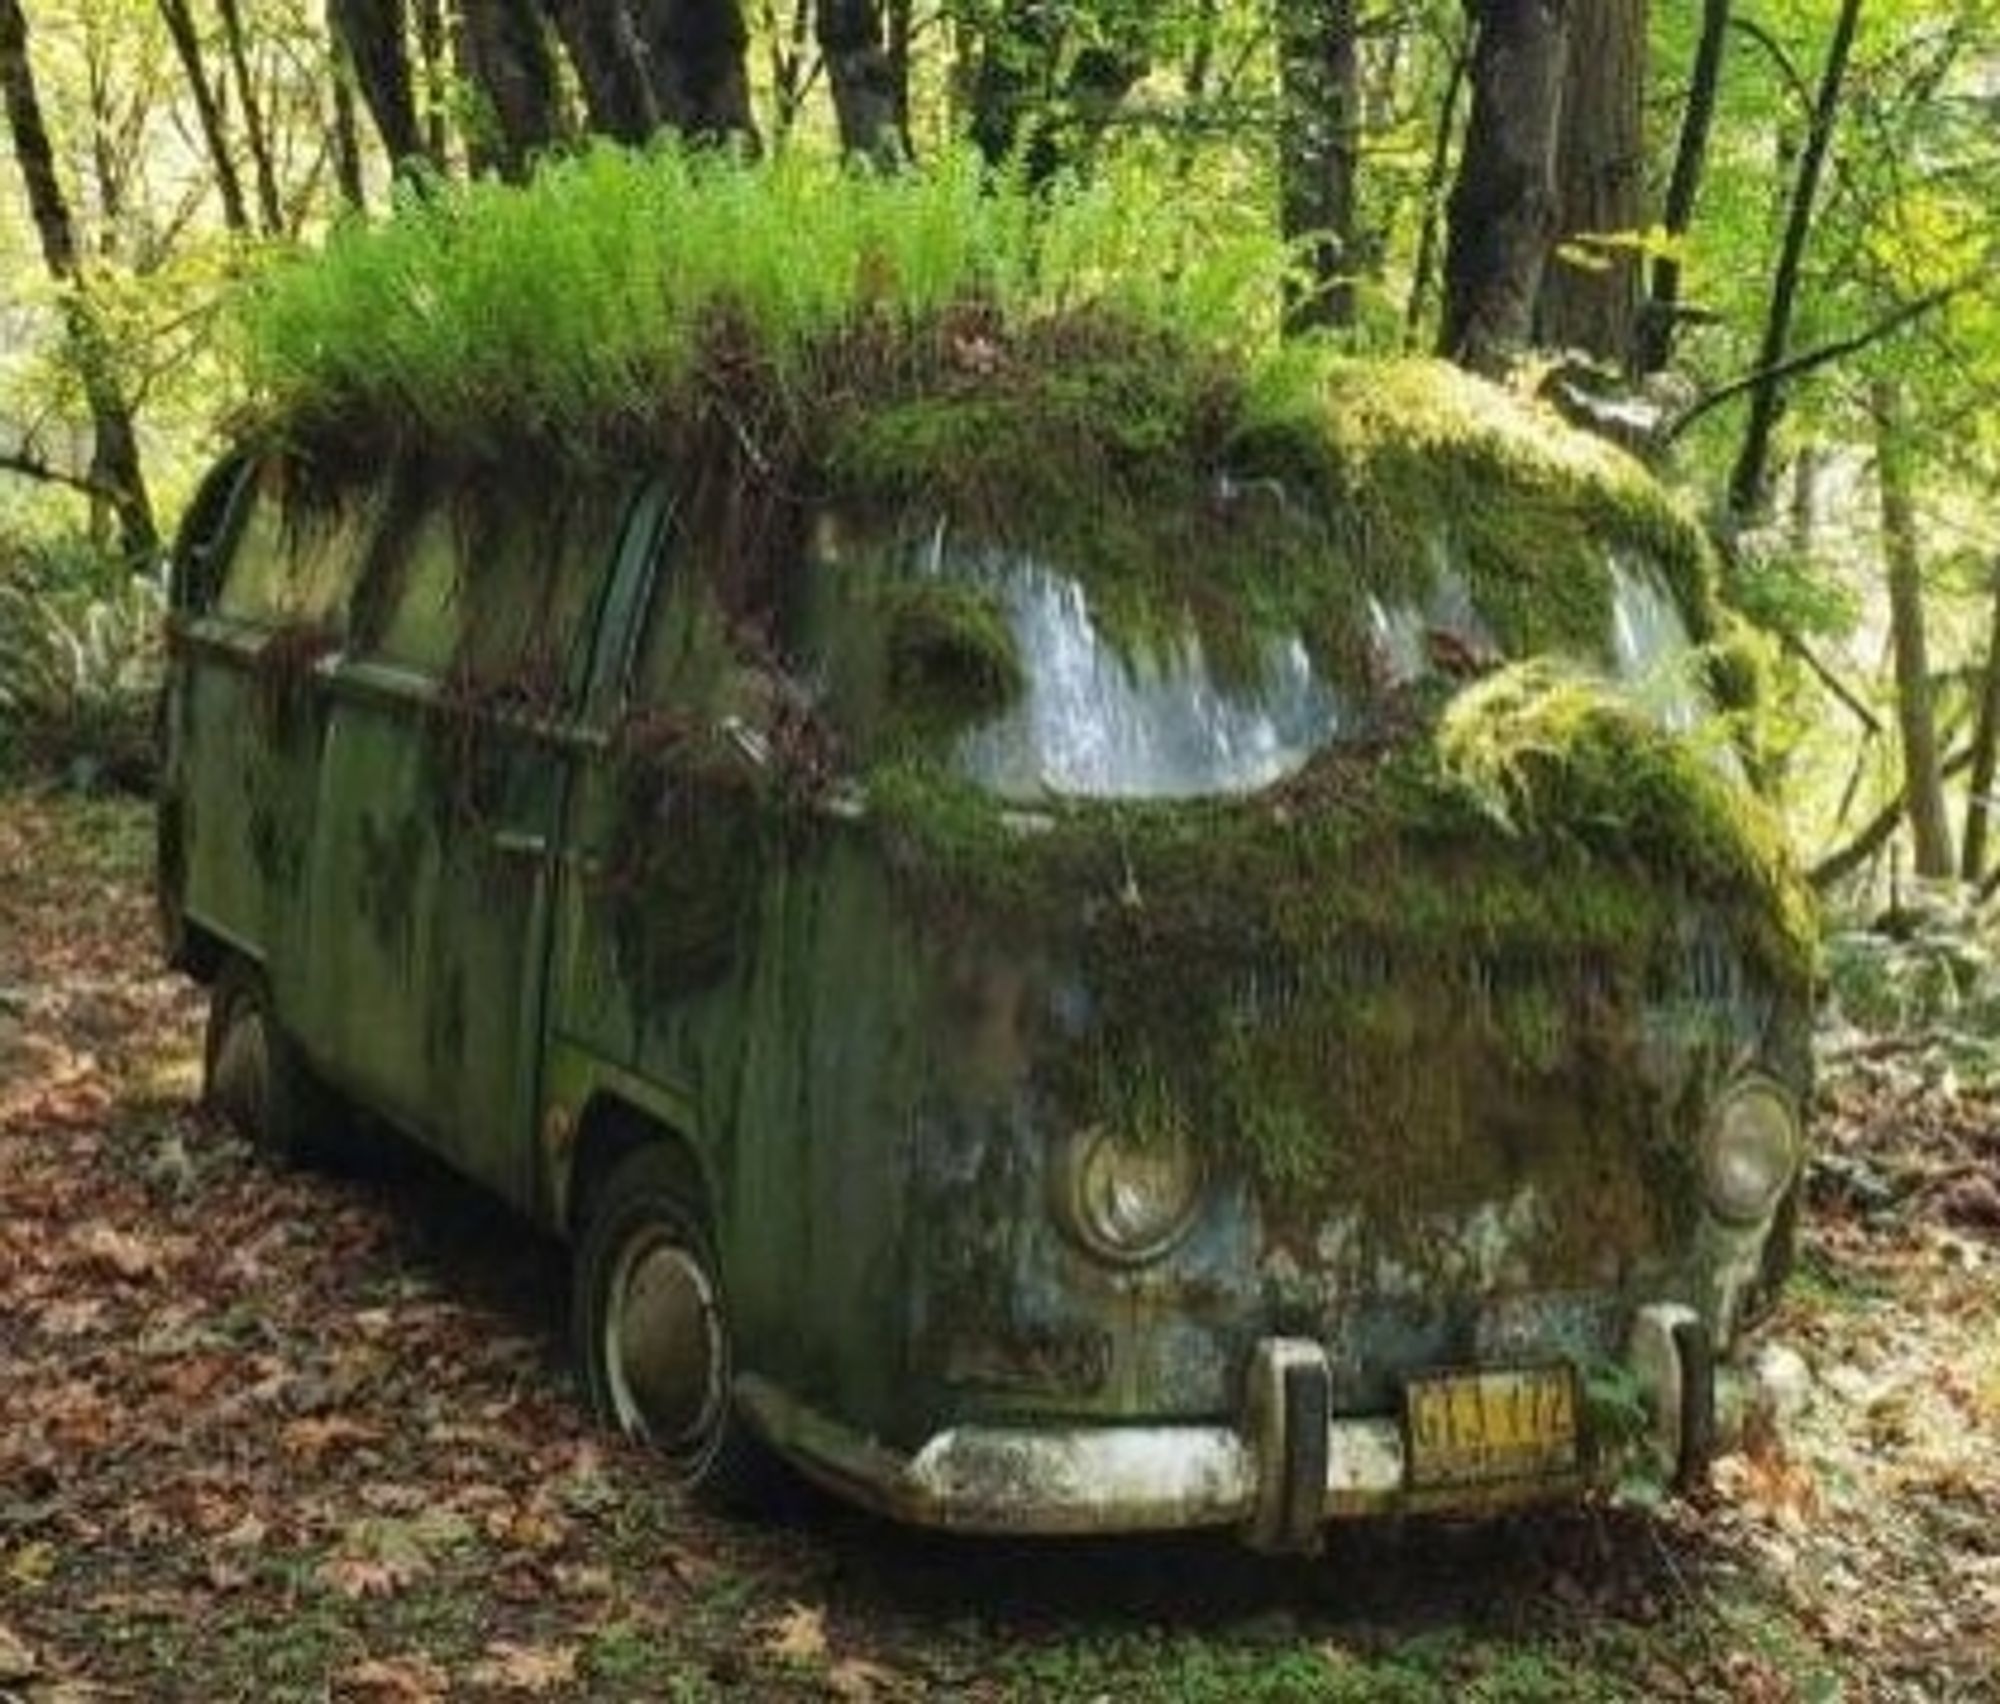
<point x="1083" y="932"/>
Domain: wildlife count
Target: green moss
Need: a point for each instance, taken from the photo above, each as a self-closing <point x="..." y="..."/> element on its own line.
<point x="1463" y="925"/>
<point x="1341" y="979"/>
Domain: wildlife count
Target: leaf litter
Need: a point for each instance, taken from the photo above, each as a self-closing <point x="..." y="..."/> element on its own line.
<point x="274" y="1436"/>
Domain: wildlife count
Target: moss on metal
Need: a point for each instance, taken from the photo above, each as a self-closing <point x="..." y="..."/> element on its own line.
<point x="1478" y="907"/>
<point x="1341" y="980"/>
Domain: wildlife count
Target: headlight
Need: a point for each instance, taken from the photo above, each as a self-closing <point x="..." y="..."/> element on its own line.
<point x="1126" y="1201"/>
<point x="1752" y="1151"/>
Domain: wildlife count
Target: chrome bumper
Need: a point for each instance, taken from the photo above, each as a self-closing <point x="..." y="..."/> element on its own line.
<point x="1279" y="1477"/>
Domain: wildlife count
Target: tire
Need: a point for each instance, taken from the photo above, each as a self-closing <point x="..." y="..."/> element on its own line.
<point x="653" y="1339"/>
<point x="254" y="1075"/>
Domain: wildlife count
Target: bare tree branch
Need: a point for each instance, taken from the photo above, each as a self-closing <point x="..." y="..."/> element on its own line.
<point x="1809" y="359"/>
<point x="47" y="473"/>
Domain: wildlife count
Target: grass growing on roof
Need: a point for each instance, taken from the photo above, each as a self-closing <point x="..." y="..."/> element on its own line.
<point x="483" y="311"/>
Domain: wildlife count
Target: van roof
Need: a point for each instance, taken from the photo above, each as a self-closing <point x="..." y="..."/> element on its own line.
<point x="1063" y="372"/>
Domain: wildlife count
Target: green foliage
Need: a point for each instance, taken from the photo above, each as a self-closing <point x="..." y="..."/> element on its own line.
<point x="486" y="315"/>
<point x="80" y="655"/>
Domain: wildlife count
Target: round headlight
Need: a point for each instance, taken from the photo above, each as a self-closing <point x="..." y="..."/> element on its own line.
<point x="1126" y="1201"/>
<point x="1752" y="1151"/>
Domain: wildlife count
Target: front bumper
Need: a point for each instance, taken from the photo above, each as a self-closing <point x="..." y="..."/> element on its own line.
<point x="1279" y="1476"/>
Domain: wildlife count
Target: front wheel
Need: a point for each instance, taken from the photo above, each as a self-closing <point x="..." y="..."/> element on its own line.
<point x="652" y="1331"/>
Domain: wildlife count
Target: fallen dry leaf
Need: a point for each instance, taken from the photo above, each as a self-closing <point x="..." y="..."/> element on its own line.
<point x="856" y="1681"/>
<point x="411" y="1679"/>
<point x="310" y="1439"/>
<point x="525" y="1668"/>
<point x="798" y="1635"/>
<point x="17" y="1662"/>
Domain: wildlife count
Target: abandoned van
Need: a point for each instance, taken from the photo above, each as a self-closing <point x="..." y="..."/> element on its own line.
<point x="1059" y="976"/>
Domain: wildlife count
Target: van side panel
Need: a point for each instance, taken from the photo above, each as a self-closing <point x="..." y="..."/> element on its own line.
<point x="248" y="722"/>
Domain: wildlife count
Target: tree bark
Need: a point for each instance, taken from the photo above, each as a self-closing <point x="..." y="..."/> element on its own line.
<point x="695" y="67"/>
<point x="1435" y="175"/>
<point x="867" y="101"/>
<point x="601" y="43"/>
<point x="345" y="133"/>
<point x="1985" y="751"/>
<point x="114" y="462"/>
<point x="1318" y="152"/>
<point x="255" y="134"/>
<point x="507" y="60"/>
<point x="1503" y="206"/>
<point x="1748" y="481"/>
<point x="1659" y="320"/>
<point x="1923" y="784"/>
<point x="208" y="112"/>
<point x="434" y="74"/>
<point x="1590" y="294"/>
<point x="372" y="32"/>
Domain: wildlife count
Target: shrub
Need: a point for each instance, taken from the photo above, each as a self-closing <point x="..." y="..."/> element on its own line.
<point x="80" y="654"/>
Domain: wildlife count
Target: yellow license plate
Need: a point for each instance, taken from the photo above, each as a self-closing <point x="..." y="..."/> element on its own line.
<point x="1481" y="1427"/>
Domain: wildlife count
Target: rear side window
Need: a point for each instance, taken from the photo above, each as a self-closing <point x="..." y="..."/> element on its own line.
<point x="296" y="563"/>
<point x="494" y="590"/>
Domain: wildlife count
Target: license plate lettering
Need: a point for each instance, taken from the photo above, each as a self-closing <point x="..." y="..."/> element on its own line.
<point x="1491" y="1426"/>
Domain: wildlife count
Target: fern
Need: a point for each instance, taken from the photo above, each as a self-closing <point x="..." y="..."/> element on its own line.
<point x="484" y="310"/>
<point x="78" y="678"/>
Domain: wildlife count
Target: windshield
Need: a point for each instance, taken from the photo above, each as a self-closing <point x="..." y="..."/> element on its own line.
<point x="1091" y="713"/>
<point x="1097" y="722"/>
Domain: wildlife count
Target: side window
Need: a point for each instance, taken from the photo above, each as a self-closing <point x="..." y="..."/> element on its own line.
<point x="494" y="590"/>
<point x="295" y="564"/>
<point x="688" y="662"/>
<point x="196" y="561"/>
<point x="421" y="623"/>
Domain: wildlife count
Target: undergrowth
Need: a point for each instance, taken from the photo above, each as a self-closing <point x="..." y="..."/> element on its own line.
<point x="80" y="658"/>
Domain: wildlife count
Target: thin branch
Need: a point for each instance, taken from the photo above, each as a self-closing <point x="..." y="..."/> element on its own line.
<point x="1807" y="360"/>
<point x="1881" y="829"/>
<point x="1831" y="681"/>
<point x="47" y="473"/>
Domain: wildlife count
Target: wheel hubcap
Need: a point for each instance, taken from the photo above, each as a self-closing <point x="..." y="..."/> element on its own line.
<point x="663" y="1347"/>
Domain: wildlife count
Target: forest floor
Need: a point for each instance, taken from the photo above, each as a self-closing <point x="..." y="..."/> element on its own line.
<point x="298" y="1437"/>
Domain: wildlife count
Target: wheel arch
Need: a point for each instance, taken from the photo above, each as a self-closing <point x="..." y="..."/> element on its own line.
<point x="610" y="1129"/>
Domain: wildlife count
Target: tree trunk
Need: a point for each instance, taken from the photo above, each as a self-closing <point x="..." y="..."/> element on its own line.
<point x="1503" y="206"/>
<point x="1013" y="76"/>
<point x="599" y="39"/>
<point x="1748" y="480"/>
<point x="902" y="23"/>
<point x="507" y="60"/>
<point x="345" y="133"/>
<point x="1318" y="150"/>
<point x="1657" y="323"/>
<point x="372" y="32"/>
<point x="1985" y="750"/>
<point x="114" y="465"/>
<point x="866" y="100"/>
<point x="255" y="135"/>
<point x="208" y="112"/>
<point x="792" y="67"/>
<point x="433" y="60"/>
<point x="1590" y="294"/>
<point x="695" y="66"/>
<point x="1923" y="785"/>
<point x="1433" y="196"/>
